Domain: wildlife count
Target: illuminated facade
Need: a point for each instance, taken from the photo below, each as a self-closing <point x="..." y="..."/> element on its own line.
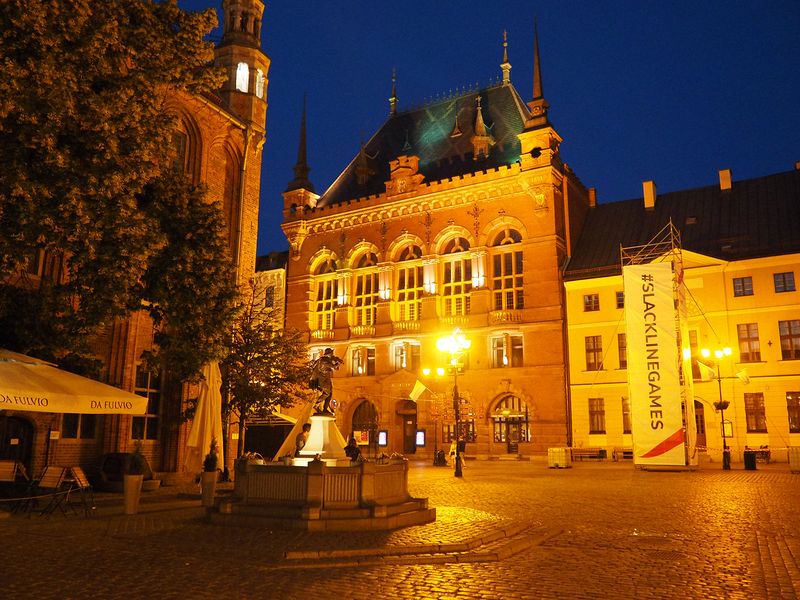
<point x="457" y="214"/>
<point x="740" y="259"/>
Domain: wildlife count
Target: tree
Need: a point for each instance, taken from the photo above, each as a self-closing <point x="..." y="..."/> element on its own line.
<point x="84" y="143"/>
<point x="266" y="366"/>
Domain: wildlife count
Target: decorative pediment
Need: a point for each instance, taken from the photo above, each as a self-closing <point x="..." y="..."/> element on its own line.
<point x="405" y="175"/>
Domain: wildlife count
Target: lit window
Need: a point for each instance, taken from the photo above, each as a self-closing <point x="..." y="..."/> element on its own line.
<point x="406" y="356"/>
<point x="260" y="81"/>
<point x="622" y="345"/>
<point x="755" y="413"/>
<point x="594" y="353"/>
<point x="749" y="346"/>
<point x="242" y="77"/>
<point x="507" y="271"/>
<point x="365" y="299"/>
<point x="626" y="415"/>
<point x="793" y="409"/>
<point x="506" y="351"/>
<point x="742" y="286"/>
<point x="457" y="283"/>
<point x="620" y="299"/>
<point x="784" y="282"/>
<point x="362" y="361"/>
<point x="591" y="302"/>
<point x="326" y="287"/>
<point x="790" y="339"/>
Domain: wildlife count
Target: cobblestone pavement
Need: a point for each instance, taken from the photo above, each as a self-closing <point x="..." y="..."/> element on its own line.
<point x="507" y="529"/>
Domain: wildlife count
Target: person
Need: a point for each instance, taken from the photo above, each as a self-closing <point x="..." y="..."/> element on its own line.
<point x="352" y="450"/>
<point x="321" y="373"/>
<point x="453" y="451"/>
<point x="302" y="438"/>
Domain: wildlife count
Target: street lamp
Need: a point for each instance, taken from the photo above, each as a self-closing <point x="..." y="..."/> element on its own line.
<point x="721" y="405"/>
<point x="455" y="345"/>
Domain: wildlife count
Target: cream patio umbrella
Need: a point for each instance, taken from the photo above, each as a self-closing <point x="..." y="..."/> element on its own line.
<point x="207" y="422"/>
<point x="31" y="384"/>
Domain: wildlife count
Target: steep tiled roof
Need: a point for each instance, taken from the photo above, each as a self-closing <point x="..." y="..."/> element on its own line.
<point x="755" y="218"/>
<point x="430" y="133"/>
<point x="273" y="260"/>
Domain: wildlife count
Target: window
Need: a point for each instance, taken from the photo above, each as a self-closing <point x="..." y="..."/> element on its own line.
<point x="754" y="413"/>
<point x="363" y="361"/>
<point x="406" y="356"/>
<point x="790" y="339"/>
<point x="742" y="286"/>
<point x="365" y="298"/>
<point x="622" y="346"/>
<point x="594" y="353"/>
<point x="507" y="272"/>
<point x="74" y="426"/>
<point x="260" y="81"/>
<point x="242" y="77"/>
<point x="591" y="302"/>
<point x="793" y="408"/>
<point x="457" y="279"/>
<point x="749" y="346"/>
<point x="620" y="299"/>
<point x="506" y="351"/>
<point x="409" y="285"/>
<point x="626" y="415"/>
<point x="784" y="282"/>
<point x="326" y="288"/>
<point x="180" y="143"/>
<point x="269" y="296"/>
<point x="597" y="415"/>
<point x="148" y="385"/>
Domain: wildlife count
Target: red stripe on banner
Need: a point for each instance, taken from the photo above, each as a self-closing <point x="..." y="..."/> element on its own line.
<point x="667" y="445"/>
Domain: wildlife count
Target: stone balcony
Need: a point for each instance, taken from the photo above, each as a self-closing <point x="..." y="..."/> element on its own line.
<point x="497" y="317"/>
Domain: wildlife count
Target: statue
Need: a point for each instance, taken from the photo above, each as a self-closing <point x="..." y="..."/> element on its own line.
<point x="321" y="373"/>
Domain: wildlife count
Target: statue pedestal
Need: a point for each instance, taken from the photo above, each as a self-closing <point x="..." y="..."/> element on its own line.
<point x="323" y="439"/>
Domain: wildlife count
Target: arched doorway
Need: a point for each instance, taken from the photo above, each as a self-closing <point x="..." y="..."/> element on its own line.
<point x="365" y="426"/>
<point x="407" y="412"/>
<point x="511" y="423"/>
<point x="16" y="440"/>
<point x="700" y="423"/>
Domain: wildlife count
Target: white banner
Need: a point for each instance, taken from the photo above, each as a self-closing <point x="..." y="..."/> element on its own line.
<point x="653" y="380"/>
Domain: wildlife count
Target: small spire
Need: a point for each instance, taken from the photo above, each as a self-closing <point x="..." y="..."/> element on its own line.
<point x="301" y="168"/>
<point x="538" y="105"/>
<point x="505" y="65"/>
<point x="480" y="126"/>
<point x="393" y="99"/>
<point x="481" y="140"/>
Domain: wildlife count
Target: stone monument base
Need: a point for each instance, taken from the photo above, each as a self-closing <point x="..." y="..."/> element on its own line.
<point x="324" y="497"/>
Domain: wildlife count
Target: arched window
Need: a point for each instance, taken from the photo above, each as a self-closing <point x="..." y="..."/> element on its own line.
<point x="457" y="277"/>
<point x="365" y="297"/>
<point x="511" y="422"/>
<point x="242" y="77"/>
<point x="365" y="423"/>
<point x="507" y="271"/>
<point x="260" y="81"/>
<point x="409" y="284"/>
<point x="325" y="304"/>
<point x="180" y="145"/>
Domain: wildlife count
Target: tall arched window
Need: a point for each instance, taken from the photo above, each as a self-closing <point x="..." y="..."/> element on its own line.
<point x="365" y="423"/>
<point x="409" y="284"/>
<point x="325" y="304"/>
<point x="242" y="77"/>
<point x="457" y="277"/>
<point x="365" y="296"/>
<point x="507" y="271"/>
<point x="260" y="81"/>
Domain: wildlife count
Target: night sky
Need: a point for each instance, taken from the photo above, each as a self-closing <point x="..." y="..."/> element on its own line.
<point x="670" y="91"/>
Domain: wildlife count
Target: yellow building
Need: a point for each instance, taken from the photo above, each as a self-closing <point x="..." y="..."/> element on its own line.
<point x="458" y="214"/>
<point x="740" y="252"/>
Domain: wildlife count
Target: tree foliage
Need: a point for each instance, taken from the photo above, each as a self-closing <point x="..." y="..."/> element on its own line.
<point x="266" y="367"/>
<point x="84" y="143"/>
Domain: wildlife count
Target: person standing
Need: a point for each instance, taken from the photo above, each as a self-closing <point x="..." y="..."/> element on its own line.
<point x="302" y="438"/>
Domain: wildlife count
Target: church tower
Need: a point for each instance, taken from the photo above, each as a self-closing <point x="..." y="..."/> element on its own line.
<point x="245" y="91"/>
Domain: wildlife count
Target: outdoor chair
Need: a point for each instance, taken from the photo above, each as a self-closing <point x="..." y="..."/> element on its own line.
<point x="50" y="484"/>
<point x="76" y="481"/>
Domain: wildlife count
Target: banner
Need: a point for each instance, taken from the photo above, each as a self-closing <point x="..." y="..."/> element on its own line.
<point x="653" y="377"/>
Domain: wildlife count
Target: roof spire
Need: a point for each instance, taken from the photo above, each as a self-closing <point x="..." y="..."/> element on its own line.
<point x="481" y="140"/>
<point x="393" y="98"/>
<point x="301" y="168"/>
<point x="505" y="65"/>
<point x="538" y="106"/>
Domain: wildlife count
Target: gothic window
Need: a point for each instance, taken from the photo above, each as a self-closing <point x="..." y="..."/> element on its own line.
<point x="457" y="280"/>
<point x="260" y="81"/>
<point x="365" y="297"/>
<point x="180" y="144"/>
<point x="507" y="271"/>
<point x="325" y="303"/>
<point x="242" y="77"/>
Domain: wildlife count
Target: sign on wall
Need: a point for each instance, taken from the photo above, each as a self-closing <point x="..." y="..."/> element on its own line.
<point x="653" y="376"/>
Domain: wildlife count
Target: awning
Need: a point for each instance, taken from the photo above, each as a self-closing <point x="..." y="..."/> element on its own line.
<point x="30" y="384"/>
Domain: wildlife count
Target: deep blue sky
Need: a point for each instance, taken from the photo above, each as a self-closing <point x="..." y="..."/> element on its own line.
<point x="671" y="91"/>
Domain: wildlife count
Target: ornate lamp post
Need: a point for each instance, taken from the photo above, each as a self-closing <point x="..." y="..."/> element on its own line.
<point x="721" y="404"/>
<point x="455" y="345"/>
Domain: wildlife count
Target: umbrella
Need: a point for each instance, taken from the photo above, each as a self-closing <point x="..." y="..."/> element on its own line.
<point x="30" y="384"/>
<point x="207" y="422"/>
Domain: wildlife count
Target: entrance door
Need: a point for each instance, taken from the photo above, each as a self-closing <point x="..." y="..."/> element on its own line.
<point x="16" y="440"/>
<point x="512" y="438"/>
<point x="700" y="422"/>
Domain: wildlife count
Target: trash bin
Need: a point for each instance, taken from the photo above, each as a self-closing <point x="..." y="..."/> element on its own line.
<point x="750" y="460"/>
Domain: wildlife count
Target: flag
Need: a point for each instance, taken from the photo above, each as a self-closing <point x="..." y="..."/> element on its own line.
<point x="706" y="372"/>
<point x="743" y="376"/>
<point x="419" y="387"/>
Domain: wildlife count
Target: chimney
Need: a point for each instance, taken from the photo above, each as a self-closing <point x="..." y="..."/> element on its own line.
<point x="725" y="179"/>
<point x="592" y="197"/>
<point x="649" y="188"/>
